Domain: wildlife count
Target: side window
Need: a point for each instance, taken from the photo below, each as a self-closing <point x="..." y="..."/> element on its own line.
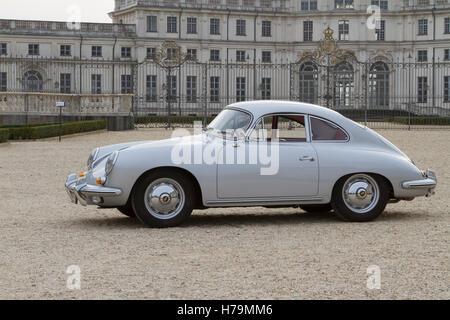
<point x="291" y="129"/>
<point x="284" y="128"/>
<point x="326" y="131"/>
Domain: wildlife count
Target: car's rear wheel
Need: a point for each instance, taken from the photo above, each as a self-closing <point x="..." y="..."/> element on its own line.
<point x="313" y="208"/>
<point x="128" y="211"/>
<point x="360" y="197"/>
<point x="163" y="199"/>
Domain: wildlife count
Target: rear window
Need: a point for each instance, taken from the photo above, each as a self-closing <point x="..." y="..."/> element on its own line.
<point x="326" y="131"/>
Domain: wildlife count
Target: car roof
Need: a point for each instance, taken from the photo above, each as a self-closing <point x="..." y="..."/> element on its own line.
<point x="261" y="108"/>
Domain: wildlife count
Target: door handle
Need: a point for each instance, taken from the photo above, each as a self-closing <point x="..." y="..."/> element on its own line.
<point x="307" y="158"/>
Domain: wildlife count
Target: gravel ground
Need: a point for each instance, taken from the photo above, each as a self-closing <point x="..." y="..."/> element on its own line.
<point x="249" y="253"/>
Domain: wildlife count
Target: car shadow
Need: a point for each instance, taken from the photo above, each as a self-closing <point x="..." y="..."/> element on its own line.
<point x="279" y="218"/>
<point x="240" y="220"/>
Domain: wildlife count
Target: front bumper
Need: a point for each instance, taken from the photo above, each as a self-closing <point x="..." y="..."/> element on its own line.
<point x="428" y="184"/>
<point x="81" y="192"/>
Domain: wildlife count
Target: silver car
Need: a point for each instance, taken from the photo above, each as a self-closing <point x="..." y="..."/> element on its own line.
<point x="262" y="153"/>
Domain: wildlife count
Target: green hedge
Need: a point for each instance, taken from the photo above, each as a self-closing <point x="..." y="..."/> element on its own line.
<point x="4" y="134"/>
<point x="173" y="119"/>
<point x="48" y="131"/>
<point x="435" y="121"/>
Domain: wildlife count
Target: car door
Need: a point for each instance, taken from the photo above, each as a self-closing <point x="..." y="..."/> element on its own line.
<point x="291" y="172"/>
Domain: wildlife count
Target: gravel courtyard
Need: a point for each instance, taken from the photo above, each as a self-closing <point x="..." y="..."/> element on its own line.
<point x="250" y="253"/>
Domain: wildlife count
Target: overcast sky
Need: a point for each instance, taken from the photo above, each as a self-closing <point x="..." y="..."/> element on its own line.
<point x="57" y="10"/>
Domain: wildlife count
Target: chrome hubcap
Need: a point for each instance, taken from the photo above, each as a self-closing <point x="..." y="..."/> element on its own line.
<point x="164" y="198"/>
<point x="361" y="193"/>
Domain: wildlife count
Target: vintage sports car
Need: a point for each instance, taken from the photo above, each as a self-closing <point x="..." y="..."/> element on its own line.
<point x="262" y="153"/>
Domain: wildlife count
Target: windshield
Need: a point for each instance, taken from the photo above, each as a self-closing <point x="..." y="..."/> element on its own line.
<point x="230" y="120"/>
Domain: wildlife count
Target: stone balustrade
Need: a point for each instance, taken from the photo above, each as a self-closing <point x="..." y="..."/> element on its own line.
<point x="79" y="105"/>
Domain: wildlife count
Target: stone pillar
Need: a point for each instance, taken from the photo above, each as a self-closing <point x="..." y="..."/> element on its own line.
<point x="120" y="123"/>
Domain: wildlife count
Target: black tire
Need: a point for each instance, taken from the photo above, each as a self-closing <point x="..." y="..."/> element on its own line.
<point x="317" y="208"/>
<point x="345" y="213"/>
<point x="128" y="211"/>
<point x="149" y="218"/>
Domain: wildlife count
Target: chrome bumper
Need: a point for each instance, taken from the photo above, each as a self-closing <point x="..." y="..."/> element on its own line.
<point x="428" y="184"/>
<point x="86" y="194"/>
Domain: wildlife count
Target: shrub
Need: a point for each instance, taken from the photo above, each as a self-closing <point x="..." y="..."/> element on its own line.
<point x="48" y="131"/>
<point x="4" y="135"/>
<point x="435" y="121"/>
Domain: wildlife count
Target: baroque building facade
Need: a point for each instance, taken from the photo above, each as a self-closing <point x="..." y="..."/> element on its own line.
<point x="395" y="54"/>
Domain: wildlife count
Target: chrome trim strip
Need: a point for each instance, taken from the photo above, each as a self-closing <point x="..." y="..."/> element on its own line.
<point x="419" y="184"/>
<point x="262" y="202"/>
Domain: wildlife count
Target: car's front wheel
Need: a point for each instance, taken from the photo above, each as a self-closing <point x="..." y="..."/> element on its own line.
<point x="163" y="199"/>
<point x="360" y="197"/>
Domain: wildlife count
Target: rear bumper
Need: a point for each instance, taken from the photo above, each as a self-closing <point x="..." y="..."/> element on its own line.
<point x="428" y="184"/>
<point x="86" y="194"/>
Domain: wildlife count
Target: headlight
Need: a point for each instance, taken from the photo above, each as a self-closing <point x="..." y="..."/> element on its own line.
<point x="92" y="157"/>
<point x="111" y="162"/>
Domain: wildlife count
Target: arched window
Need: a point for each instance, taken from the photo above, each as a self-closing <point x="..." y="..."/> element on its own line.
<point x="379" y="85"/>
<point x="32" y="81"/>
<point x="308" y="90"/>
<point x="343" y="82"/>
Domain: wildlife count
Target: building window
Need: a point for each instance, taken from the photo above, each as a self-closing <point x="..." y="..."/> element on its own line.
<point x="126" y="84"/>
<point x="65" y="50"/>
<point x="309" y="5"/>
<point x="151" y="53"/>
<point x="3" y="81"/>
<point x="214" y="55"/>
<point x="152" y="24"/>
<point x="422" y="55"/>
<point x="126" y="52"/>
<point x="214" y="26"/>
<point x="307" y="31"/>
<point x="266" y="88"/>
<point x="382" y="4"/>
<point x="344" y="30"/>
<point x="172" y="53"/>
<point x="240" y="28"/>
<point x="32" y="81"/>
<point x="97" y="51"/>
<point x="422" y="89"/>
<point x="240" y="89"/>
<point x="446" y="89"/>
<point x="96" y="84"/>
<point x="172" y="88"/>
<point x="447" y="25"/>
<point x="379" y="85"/>
<point x="3" y="49"/>
<point x="172" y="25"/>
<point x="267" y="56"/>
<point x="191" y="89"/>
<point x="343" y="4"/>
<point x="192" y="54"/>
<point x="447" y="54"/>
<point x="191" y="25"/>
<point x="214" y="86"/>
<point x="381" y="30"/>
<point x="151" y="94"/>
<point x="309" y="83"/>
<point x="65" y="83"/>
<point x="240" y="56"/>
<point x="33" y="49"/>
<point x="343" y="85"/>
<point x="423" y="27"/>
<point x="266" y="29"/>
